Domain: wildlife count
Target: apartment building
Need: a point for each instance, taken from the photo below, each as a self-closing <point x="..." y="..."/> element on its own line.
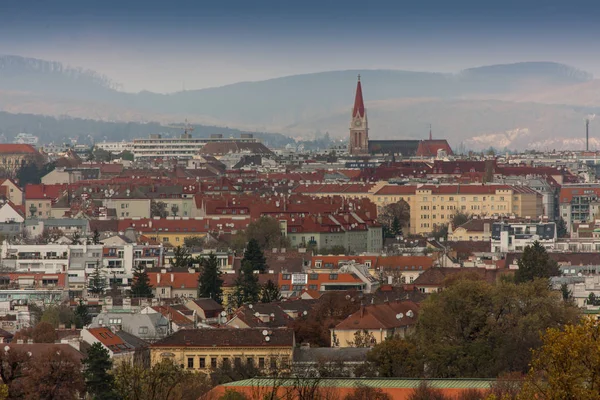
<point x="579" y="203"/>
<point x="515" y="236"/>
<point x="433" y="205"/>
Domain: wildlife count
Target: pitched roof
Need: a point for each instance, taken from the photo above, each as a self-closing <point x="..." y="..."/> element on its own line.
<point x="384" y="316"/>
<point x="173" y="315"/>
<point x="10" y="148"/>
<point x="430" y="148"/>
<point x="228" y="337"/>
<point x="208" y="304"/>
<point x="40" y="349"/>
<point x="110" y="340"/>
<point x="359" y="105"/>
<point x="271" y="312"/>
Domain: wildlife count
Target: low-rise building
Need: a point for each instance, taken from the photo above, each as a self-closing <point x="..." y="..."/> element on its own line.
<point x="206" y="349"/>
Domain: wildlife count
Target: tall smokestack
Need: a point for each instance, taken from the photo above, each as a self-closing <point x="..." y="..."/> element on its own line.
<point x="587" y="135"/>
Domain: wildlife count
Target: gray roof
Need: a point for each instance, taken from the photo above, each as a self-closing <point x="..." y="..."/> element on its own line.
<point x="132" y="340"/>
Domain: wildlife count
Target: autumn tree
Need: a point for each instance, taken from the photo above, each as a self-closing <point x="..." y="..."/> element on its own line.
<point x="426" y="392"/>
<point x="98" y="379"/>
<point x="210" y="283"/>
<point x="53" y="375"/>
<point x="396" y="357"/>
<point x="267" y="233"/>
<point x="56" y="315"/>
<point x="43" y="332"/>
<point x="535" y="263"/>
<point x="141" y="287"/>
<point x="96" y="237"/>
<point x="270" y="292"/>
<point x="164" y="381"/>
<point x="193" y="242"/>
<point x="567" y="364"/>
<point x="459" y="218"/>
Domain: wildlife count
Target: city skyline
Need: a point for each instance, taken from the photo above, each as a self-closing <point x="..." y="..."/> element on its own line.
<point x="165" y="47"/>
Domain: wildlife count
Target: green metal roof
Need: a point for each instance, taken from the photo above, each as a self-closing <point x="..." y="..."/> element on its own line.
<point x="374" y="383"/>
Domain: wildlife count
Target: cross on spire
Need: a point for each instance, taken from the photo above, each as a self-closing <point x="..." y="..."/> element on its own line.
<point x="359" y="77"/>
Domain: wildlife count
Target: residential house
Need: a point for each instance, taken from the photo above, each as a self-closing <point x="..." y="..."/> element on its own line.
<point x="168" y="284"/>
<point x="148" y="327"/>
<point x="380" y="321"/>
<point x="259" y="315"/>
<point x="176" y="318"/>
<point x="118" y="350"/>
<point x="206" y="310"/>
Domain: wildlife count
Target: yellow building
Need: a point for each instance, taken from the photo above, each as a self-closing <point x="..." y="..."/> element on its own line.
<point x="14" y="156"/>
<point x="204" y="349"/>
<point x="432" y="205"/>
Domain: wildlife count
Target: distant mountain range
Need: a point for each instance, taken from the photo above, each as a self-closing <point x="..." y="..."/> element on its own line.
<point x="523" y="105"/>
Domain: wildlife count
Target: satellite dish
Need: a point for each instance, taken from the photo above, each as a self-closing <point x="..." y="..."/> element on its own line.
<point x="223" y="314"/>
<point x="257" y="314"/>
<point x="265" y="333"/>
<point x="410" y="314"/>
<point x="250" y="306"/>
<point x="6" y="348"/>
<point x="28" y="353"/>
<point x="272" y="315"/>
<point x="399" y="316"/>
<point x="305" y="312"/>
<point x="267" y="338"/>
<point x="224" y="320"/>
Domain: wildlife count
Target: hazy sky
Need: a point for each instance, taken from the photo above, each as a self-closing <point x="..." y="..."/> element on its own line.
<point x="164" y="45"/>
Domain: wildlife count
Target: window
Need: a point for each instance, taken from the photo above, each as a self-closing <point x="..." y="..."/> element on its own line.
<point x="314" y="277"/>
<point x="285" y="287"/>
<point x="144" y="331"/>
<point x="237" y="362"/>
<point x="190" y="362"/>
<point x="261" y="362"/>
<point x="226" y="362"/>
<point x="202" y="362"/>
<point x="287" y="277"/>
<point x="213" y="362"/>
<point x="333" y="277"/>
<point x="273" y="363"/>
<point x="250" y="361"/>
<point x="312" y="287"/>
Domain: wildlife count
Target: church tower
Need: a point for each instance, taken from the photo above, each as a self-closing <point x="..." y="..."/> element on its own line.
<point x="359" y="126"/>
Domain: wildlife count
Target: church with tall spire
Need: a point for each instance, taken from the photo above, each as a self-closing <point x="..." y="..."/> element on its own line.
<point x="360" y="145"/>
<point x="359" y="125"/>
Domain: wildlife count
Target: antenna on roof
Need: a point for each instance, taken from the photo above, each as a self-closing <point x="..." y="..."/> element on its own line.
<point x="430" y="136"/>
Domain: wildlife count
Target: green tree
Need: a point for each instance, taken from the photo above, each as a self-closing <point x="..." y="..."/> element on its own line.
<point x="254" y="256"/>
<point x="535" y="263"/>
<point x="96" y="237"/>
<point x="181" y="258"/>
<point x="76" y="238"/>
<point x="396" y="229"/>
<point x="97" y="282"/>
<point x="270" y="292"/>
<point x="98" y="379"/>
<point x="127" y="155"/>
<point x="396" y="357"/>
<point x="141" y="283"/>
<point x="476" y="329"/>
<point x="567" y="295"/>
<point x="82" y="315"/>
<point x="247" y="289"/>
<point x="174" y="209"/>
<point x="210" y="283"/>
<point x="567" y="364"/>
<point x="561" y="228"/>
<point x="58" y="314"/>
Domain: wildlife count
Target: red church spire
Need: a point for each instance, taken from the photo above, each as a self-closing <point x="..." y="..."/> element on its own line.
<point x="359" y="105"/>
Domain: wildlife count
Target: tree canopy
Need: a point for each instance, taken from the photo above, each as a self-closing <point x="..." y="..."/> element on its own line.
<point x="210" y="283"/>
<point x="141" y="283"/>
<point x="535" y="263"/>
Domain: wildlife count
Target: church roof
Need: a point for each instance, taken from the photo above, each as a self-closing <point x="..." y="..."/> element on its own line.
<point x="359" y="105"/>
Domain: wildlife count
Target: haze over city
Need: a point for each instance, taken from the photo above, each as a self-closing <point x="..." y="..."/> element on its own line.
<point x="167" y="46"/>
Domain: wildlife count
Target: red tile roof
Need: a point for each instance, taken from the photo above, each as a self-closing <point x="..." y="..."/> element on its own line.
<point x="430" y="148"/>
<point x="173" y="315"/>
<point x="110" y="340"/>
<point x="381" y="316"/>
<point x="41" y="191"/>
<point x="177" y="280"/>
<point x="9" y="148"/>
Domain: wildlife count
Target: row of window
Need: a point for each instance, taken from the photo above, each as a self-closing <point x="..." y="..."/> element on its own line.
<point x="312" y="277"/>
<point x="202" y="362"/>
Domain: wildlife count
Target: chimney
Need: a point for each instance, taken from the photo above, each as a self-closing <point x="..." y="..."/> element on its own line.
<point x="61" y="326"/>
<point x="29" y="341"/>
<point x="587" y="135"/>
<point x="362" y="310"/>
<point x="172" y="277"/>
<point x="158" y="278"/>
<point x="19" y="341"/>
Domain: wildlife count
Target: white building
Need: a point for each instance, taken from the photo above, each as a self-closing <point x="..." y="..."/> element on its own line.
<point x="116" y="147"/>
<point x="514" y="237"/>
